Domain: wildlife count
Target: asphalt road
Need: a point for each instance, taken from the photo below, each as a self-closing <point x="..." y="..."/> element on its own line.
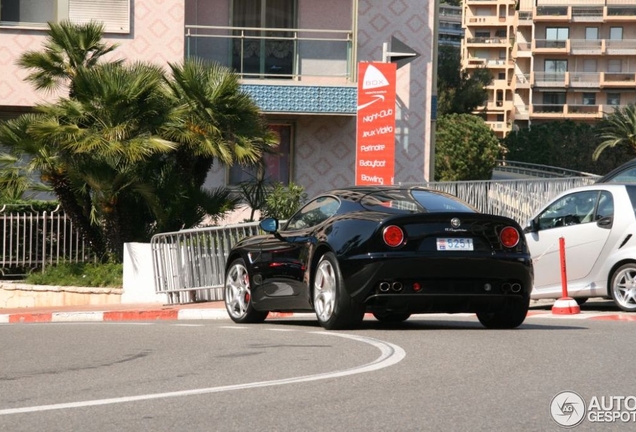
<point x="433" y="373"/>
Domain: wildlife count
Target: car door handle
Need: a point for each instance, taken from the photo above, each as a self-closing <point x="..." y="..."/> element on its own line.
<point x="605" y="222"/>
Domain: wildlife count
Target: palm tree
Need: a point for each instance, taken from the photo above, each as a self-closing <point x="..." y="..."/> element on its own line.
<point x="618" y="128"/>
<point x="128" y="151"/>
<point x="69" y="47"/>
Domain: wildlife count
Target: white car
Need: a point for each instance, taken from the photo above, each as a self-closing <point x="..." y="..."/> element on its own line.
<point x="598" y="224"/>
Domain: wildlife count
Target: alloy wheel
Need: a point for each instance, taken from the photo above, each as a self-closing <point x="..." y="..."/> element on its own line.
<point x="237" y="291"/>
<point x="325" y="287"/>
<point x="624" y="288"/>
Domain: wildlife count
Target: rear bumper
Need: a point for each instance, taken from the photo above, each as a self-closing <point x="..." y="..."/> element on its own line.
<point x="437" y="284"/>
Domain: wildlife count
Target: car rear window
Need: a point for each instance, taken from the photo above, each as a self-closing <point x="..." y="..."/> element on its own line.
<point x="438" y="203"/>
<point x="405" y="201"/>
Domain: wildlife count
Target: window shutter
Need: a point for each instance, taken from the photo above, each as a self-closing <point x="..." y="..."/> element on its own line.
<point x="115" y="14"/>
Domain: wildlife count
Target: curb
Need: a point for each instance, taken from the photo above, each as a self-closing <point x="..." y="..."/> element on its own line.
<point x="221" y="314"/>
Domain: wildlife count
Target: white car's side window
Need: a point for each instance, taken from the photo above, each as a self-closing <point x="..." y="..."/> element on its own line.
<point x="572" y="209"/>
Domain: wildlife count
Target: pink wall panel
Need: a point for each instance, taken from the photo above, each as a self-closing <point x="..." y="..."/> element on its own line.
<point x="157" y="35"/>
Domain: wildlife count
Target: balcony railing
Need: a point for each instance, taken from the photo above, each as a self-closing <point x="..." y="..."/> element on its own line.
<point x="585" y="79"/>
<point x="587" y="14"/>
<point x="550" y="44"/>
<point x="275" y="53"/>
<point x="586" y="46"/>
<point x="487" y="40"/>
<point x="549" y="79"/>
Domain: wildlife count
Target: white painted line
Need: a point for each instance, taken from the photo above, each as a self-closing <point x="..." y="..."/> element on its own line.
<point x="77" y="316"/>
<point x="390" y="354"/>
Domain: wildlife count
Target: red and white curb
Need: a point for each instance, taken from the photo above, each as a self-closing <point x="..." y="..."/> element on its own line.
<point x="219" y="314"/>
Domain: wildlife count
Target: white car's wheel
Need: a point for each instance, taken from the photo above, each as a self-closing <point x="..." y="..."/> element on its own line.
<point x="335" y="309"/>
<point x="623" y="287"/>
<point x="238" y="296"/>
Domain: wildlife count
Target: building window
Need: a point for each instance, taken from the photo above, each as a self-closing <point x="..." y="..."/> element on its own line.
<point x="277" y="166"/>
<point x="259" y="51"/>
<point x="589" y="65"/>
<point x="555" y="66"/>
<point x="553" y="102"/>
<point x="614" y="99"/>
<point x="614" y="65"/>
<point x="557" y="33"/>
<point x="115" y="14"/>
<point x="589" y="98"/>
<point x="616" y="33"/>
<point x="591" y="33"/>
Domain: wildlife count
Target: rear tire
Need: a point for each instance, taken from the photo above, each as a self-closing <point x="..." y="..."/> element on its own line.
<point x="238" y="296"/>
<point x="391" y="317"/>
<point x="335" y="309"/>
<point x="510" y="316"/>
<point x="623" y="287"/>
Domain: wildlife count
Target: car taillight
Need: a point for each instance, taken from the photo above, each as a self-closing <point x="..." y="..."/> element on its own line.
<point x="509" y="237"/>
<point x="393" y="236"/>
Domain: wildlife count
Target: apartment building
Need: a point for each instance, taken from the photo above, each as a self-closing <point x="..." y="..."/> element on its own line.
<point x="552" y="59"/>
<point x="297" y="58"/>
<point x="450" y="31"/>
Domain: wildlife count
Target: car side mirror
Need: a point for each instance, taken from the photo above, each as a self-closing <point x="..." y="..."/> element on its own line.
<point x="269" y="225"/>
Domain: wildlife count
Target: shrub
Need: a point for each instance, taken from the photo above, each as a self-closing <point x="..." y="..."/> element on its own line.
<point x="79" y="274"/>
<point x="283" y="201"/>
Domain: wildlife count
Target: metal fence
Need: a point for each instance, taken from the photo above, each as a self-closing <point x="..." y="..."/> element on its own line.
<point x="34" y="240"/>
<point x="189" y="264"/>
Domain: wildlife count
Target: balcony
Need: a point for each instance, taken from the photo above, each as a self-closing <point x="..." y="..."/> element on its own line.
<point x="563" y="111"/>
<point x="618" y="80"/>
<point x="620" y="47"/>
<point x="502" y="41"/>
<point x="308" y="55"/>
<point x="524" y="49"/>
<point x="549" y="46"/>
<point x="552" y="14"/>
<point x="586" y="46"/>
<point x="615" y="14"/>
<point x="584" y="79"/>
<point x="491" y="20"/>
<point x="522" y="81"/>
<point x="587" y="14"/>
<point x="525" y="18"/>
<point x="549" y="79"/>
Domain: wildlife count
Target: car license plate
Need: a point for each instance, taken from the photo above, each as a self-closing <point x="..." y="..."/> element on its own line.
<point x="454" y="244"/>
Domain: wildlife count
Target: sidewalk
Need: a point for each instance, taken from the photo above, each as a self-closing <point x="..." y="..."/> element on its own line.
<point x="216" y="310"/>
<point x="115" y="312"/>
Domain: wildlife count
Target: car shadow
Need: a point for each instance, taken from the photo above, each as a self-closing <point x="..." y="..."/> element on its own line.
<point x="422" y="323"/>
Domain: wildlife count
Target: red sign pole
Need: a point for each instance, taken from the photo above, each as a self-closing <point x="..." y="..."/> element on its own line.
<point x="375" y="138"/>
<point x="564" y="305"/>
<point x="564" y="274"/>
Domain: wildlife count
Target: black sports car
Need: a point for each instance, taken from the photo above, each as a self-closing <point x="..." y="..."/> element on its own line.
<point x="389" y="250"/>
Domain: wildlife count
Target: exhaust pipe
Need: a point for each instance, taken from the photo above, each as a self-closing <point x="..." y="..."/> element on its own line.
<point x="396" y="286"/>
<point x="515" y="287"/>
<point x="384" y="286"/>
<point x="506" y="287"/>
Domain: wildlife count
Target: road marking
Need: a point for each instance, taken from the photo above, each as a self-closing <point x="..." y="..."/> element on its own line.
<point x="390" y="354"/>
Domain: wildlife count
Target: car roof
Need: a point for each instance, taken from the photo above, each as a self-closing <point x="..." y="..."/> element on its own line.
<point x="356" y="193"/>
<point x="613" y="173"/>
<point x="599" y="186"/>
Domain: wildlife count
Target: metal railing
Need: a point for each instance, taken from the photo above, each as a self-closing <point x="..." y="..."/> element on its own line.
<point x="189" y="265"/>
<point x="275" y="53"/>
<point x="34" y="240"/>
